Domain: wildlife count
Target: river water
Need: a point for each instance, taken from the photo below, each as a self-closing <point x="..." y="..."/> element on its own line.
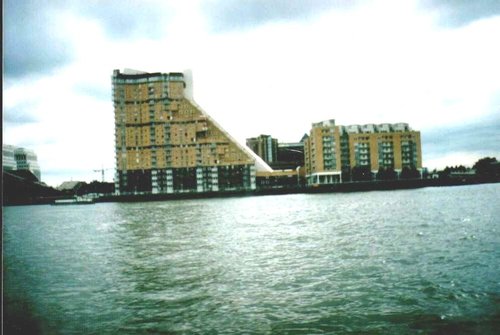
<point x="423" y="261"/>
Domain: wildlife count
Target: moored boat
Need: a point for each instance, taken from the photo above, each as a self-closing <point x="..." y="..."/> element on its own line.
<point x="74" y="201"/>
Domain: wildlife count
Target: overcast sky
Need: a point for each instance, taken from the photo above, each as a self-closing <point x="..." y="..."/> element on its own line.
<point x="259" y="67"/>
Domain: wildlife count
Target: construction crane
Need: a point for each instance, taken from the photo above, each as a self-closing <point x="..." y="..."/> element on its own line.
<point x="101" y="170"/>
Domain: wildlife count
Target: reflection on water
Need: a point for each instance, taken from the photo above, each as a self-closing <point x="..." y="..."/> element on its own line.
<point x="411" y="261"/>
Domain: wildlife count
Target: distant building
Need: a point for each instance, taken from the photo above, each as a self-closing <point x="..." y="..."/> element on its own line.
<point x="333" y="152"/>
<point x="80" y="188"/>
<point x="265" y="147"/>
<point x="463" y="175"/>
<point x="287" y="162"/>
<point x="21" y="159"/>
<point x="290" y="156"/>
<point x="165" y="143"/>
<point x="71" y="186"/>
<point x="279" y="156"/>
<point x="8" y="160"/>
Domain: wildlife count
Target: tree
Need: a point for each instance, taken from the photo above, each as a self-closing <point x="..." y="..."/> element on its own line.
<point x="386" y="173"/>
<point x="346" y="174"/>
<point x="488" y="168"/>
<point x="410" y="173"/>
<point x="361" y="173"/>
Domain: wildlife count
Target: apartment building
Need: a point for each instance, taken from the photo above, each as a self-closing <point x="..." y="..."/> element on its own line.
<point x="336" y="153"/>
<point x="165" y="142"/>
<point x="265" y="147"/>
<point x="278" y="155"/>
<point x="322" y="154"/>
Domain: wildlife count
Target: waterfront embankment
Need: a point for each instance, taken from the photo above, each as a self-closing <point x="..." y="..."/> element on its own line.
<point x="385" y="185"/>
<point x="26" y="196"/>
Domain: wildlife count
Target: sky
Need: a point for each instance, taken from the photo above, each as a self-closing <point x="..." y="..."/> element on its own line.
<point x="259" y="67"/>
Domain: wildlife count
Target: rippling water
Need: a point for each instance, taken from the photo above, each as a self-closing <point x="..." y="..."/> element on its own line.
<point x="420" y="261"/>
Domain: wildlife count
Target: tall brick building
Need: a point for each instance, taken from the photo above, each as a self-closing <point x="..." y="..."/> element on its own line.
<point x="165" y="143"/>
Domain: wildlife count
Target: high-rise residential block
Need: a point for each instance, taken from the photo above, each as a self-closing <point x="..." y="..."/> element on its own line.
<point x="334" y="153"/>
<point x="265" y="147"/>
<point x="165" y="143"/>
<point x="322" y="154"/>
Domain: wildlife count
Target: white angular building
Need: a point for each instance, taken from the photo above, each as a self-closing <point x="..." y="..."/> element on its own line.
<point x="18" y="158"/>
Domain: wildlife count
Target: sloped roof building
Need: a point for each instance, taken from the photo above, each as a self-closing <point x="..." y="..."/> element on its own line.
<point x="165" y="142"/>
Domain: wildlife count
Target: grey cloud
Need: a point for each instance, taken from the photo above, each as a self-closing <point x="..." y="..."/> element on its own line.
<point x="31" y="43"/>
<point x="126" y="19"/>
<point x="20" y="114"/>
<point x="227" y="15"/>
<point x="480" y="136"/>
<point x="30" y="46"/>
<point x="18" y="118"/>
<point x="457" y="13"/>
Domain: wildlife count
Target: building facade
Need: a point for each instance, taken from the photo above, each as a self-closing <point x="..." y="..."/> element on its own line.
<point x="8" y="160"/>
<point x="17" y="158"/>
<point x="165" y="143"/>
<point x="360" y="152"/>
<point x="265" y="147"/>
<point x="322" y="154"/>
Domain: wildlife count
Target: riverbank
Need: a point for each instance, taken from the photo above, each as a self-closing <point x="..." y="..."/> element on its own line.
<point x="383" y="185"/>
<point x="386" y="185"/>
